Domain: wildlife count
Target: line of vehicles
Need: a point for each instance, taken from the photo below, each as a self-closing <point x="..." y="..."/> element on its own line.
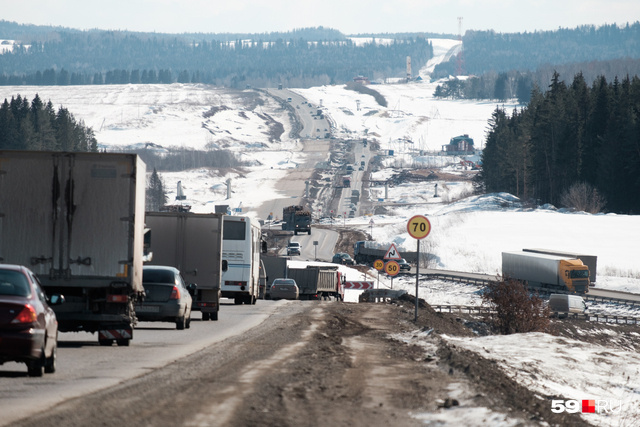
<point x="105" y="263"/>
<point x="86" y="242"/>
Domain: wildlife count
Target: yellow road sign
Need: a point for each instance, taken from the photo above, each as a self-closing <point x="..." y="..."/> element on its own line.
<point x="418" y="227"/>
<point x="378" y="264"/>
<point x="392" y="268"/>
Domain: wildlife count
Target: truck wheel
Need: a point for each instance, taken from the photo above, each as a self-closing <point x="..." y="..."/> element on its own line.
<point x="105" y="343"/>
<point x="237" y="300"/>
<point x="309" y="232"/>
<point x="214" y="315"/>
<point x="123" y="342"/>
<point x="205" y="316"/>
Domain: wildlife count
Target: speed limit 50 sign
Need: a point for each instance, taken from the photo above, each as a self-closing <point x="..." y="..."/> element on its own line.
<point x="392" y="268"/>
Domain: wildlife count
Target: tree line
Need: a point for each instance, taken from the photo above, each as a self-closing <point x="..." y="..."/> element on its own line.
<point x="110" y="57"/>
<point x="37" y="125"/>
<point x="505" y="66"/>
<point x="518" y="84"/>
<point x="489" y="51"/>
<point x="571" y="135"/>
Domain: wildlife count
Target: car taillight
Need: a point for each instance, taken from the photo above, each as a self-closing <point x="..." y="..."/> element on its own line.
<point x="26" y="315"/>
<point x="175" y="293"/>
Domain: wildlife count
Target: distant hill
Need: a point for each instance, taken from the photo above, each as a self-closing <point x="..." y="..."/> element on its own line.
<point x="299" y="58"/>
<point x="46" y="55"/>
<point x="509" y="65"/>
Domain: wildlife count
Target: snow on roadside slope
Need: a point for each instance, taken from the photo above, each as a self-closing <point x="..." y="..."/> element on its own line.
<point x="568" y="369"/>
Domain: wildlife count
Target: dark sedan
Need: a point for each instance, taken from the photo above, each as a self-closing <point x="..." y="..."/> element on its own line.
<point x="28" y="325"/>
<point x="404" y="265"/>
<point x="167" y="298"/>
<point x="343" y="258"/>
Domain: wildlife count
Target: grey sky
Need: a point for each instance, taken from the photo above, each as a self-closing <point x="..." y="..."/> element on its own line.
<point x="348" y="16"/>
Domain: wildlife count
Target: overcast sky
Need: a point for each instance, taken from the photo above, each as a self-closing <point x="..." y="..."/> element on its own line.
<point x="347" y="16"/>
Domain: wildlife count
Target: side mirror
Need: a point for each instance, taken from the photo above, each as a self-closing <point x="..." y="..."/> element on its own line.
<point x="191" y="288"/>
<point x="225" y="265"/>
<point x="56" y="299"/>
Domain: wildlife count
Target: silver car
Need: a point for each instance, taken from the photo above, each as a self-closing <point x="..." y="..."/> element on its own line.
<point x="167" y="298"/>
<point x="284" y="289"/>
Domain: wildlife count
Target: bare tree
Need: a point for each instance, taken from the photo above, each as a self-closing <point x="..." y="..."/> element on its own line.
<point x="515" y="309"/>
<point x="583" y="197"/>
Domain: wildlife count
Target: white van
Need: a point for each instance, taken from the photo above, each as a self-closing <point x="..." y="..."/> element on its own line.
<point x="565" y="303"/>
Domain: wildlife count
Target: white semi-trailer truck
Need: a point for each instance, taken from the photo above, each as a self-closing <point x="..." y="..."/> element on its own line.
<point x="556" y="272"/>
<point x="591" y="261"/>
<point x="77" y="221"/>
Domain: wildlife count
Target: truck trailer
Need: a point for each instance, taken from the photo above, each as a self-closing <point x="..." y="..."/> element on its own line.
<point x="296" y="219"/>
<point x="77" y="221"/>
<point x="591" y="261"/>
<point x="563" y="273"/>
<point x="192" y="243"/>
<point x="315" y="282"/>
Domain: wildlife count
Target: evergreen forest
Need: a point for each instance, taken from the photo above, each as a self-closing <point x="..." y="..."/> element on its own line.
<point x="504" y="66"/>
<point x="37" y="125"/>
<point x="110" y="57"/>
<point x="569" y="135"/>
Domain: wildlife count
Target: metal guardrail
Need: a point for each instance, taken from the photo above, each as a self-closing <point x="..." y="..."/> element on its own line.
<point x="607" y="318"/>
<point x="462" y="309"/>
<point x="474" y="279"/>
<point x="456" y="278"/>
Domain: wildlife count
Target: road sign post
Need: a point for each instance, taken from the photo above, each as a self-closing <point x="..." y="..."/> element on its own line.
<point x="418" y="227"/>
<point x="378" y="265"/>
<point x="392" y="268"/>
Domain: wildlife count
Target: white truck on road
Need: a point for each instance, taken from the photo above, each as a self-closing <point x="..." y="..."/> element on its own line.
<point x="77" y="221"/>
<point x="193" y="244"/>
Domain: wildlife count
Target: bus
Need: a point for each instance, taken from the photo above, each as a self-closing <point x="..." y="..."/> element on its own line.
<point x="241" y="248"/>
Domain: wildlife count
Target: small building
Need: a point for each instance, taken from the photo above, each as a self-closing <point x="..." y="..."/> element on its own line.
<point x="459" y="144"/>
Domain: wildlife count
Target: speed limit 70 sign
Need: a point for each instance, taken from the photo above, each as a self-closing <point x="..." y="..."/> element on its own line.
<point x="418" y="227"/>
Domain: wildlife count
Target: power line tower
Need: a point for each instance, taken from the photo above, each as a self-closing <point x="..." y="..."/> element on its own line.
<point x="460" y="62"/>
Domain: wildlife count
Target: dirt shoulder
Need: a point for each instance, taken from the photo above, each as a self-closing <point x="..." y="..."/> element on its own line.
<point x="356" y="370"/>
<point x="320" y="364"/>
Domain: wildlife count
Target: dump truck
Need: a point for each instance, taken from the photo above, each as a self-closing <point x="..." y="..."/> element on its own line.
<point x="192" y="243"/>
<point x="315" y="282"/>
<point x="549" y="271"/>
<point x="296" y="219"/>
<point x="77" y="221"/>
<point x="590" y="261"/>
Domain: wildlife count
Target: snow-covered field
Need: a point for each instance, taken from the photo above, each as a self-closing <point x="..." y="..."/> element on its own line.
<point x="467" y="235"/>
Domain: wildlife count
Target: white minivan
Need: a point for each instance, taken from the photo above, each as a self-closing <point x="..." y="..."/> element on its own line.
<point x="565" y="303"/>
